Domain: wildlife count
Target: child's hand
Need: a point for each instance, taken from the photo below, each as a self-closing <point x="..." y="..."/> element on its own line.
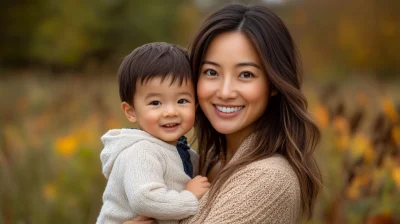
<point x="199" y="185"/>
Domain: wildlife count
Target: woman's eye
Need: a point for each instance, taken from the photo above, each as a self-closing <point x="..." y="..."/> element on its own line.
<point x="155" y="103"/>
<point x="210" y="72"/>
<point x="182" y="101"/>
<point x="246" y="75"/>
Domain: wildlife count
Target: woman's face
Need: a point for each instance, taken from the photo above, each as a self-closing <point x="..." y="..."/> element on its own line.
<point x="233" y="89"/>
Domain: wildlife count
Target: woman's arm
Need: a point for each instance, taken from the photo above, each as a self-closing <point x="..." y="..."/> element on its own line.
<point x="254" y="195"/>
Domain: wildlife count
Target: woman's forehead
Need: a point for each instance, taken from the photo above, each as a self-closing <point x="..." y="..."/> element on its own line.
<point x="234" y="47"/>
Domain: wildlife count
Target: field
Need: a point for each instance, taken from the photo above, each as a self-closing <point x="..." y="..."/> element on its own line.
<point x="51" y="124"/>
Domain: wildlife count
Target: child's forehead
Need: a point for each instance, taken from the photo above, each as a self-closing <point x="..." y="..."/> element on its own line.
<point x="164" y="86"/>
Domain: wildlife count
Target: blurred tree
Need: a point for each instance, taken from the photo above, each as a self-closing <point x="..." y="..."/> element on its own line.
<point x="18" y="22"/>
<point x="334" y="36"/>
<point x="347" y="36"/>
<point x="67" y="33"/>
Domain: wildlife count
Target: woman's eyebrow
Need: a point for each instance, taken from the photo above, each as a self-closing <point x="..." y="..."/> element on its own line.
<point x="241" y="64"/>
<point x="248" y="64"/>
<point x="211" y="63"/>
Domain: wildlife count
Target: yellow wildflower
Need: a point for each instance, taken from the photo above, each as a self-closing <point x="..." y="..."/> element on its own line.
<point x="369" y="155"/>
<point x="353" y="191"/>
<point x="322" y="116"/>
<point x="389" y="109"/>
<point x="396" y="176"/>
<point x="396" y="134"/>
<point x="66" y="146"/>
<point x="49" y="191"/>
<point x="342" y="142"/>
<point x="341" y="125"/>
<point x="359" y="145"/>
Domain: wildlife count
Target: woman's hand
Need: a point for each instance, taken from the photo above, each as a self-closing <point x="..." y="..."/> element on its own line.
<point x="141" y="220"/>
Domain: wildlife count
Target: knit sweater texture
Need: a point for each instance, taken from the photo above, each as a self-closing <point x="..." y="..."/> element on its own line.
<point x="145" y="177"/>
<point x="266" y="191"/>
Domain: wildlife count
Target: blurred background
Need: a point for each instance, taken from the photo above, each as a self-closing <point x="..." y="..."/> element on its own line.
<point x="58" y="95"/>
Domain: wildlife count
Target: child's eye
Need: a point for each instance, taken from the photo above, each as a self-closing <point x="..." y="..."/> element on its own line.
<point x="155" y="103"/>
<point x="183" y="101"/>
<point x="210" y="72"/>
<point x="246" y="75"/>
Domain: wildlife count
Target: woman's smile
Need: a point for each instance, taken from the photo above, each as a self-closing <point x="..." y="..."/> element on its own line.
<point x="228" y="109"/>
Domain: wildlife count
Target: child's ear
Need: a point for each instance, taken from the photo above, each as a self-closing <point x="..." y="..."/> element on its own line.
<point x="129" y="112"/>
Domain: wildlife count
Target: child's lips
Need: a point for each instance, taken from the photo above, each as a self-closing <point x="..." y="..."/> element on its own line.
<point x="170" y="126"/>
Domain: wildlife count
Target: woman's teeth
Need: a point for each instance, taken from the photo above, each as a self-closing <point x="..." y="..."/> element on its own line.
<point x="228" y="109"/>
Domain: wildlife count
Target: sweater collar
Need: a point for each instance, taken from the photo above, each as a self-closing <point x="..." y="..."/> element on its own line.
<point x="243" y="148"/>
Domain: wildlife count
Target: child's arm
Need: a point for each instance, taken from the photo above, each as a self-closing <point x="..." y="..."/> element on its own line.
<point x="142" y="173"/>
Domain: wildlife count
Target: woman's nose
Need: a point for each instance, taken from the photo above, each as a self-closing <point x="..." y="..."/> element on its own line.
<point x="227" y="89"/>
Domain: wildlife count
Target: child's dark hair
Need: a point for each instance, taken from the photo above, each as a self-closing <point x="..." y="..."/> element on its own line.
<point x="149" y="61"/>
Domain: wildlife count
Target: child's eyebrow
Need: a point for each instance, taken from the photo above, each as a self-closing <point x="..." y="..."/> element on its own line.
<point x="152" y="95"/>
<point x="186" y="94"/>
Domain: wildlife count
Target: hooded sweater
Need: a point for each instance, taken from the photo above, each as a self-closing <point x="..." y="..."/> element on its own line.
<point x="265" y="191"/>
<point x="145" y="177"/>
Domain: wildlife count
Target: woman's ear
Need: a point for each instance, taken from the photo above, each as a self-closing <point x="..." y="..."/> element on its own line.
<point x="129" y="112"/>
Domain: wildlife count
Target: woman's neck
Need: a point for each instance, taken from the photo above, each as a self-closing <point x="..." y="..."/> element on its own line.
<point x="233" y="142"/>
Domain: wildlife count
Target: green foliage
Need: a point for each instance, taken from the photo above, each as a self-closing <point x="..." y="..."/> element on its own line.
<point x="70" y="33"/>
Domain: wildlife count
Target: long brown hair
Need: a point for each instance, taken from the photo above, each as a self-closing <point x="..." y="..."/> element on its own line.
<point x="285" y="127"/>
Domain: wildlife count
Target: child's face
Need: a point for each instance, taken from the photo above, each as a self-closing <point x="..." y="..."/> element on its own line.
<point x="165" y="110"/>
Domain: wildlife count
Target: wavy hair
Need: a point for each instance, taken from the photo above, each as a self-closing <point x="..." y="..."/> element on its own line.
<point x="285" y="127"/>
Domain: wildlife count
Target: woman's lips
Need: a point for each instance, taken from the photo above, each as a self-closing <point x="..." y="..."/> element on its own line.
<point x="227" y="111"/>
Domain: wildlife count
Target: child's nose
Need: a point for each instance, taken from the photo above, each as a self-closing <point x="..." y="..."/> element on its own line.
<point x="170" y="110"/>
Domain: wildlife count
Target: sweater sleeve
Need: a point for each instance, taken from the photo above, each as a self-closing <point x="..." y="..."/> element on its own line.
<point x="146" y="190"/>
<point x="256" y="196"/>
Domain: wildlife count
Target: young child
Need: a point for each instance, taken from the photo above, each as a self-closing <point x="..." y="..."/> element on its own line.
<point x="150" y="169"/>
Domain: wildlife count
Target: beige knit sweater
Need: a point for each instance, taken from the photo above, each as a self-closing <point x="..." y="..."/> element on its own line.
<point x="266" y="191"/>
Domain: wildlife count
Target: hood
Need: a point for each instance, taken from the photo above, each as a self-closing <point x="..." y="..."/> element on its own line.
<point x="117" y="140"/>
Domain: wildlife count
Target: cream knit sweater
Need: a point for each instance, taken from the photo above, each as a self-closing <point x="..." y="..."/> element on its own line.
<point x="266" y="191"/>
<point x="145" y="177"/>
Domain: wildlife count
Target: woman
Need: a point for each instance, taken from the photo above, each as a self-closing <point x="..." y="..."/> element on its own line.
<point x="255" y="137"/>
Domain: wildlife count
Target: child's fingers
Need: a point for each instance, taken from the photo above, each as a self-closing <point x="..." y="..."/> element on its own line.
<point x="204" y="179"/>
<point x="197" y="177"/>
<point x="206" y="184"/>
